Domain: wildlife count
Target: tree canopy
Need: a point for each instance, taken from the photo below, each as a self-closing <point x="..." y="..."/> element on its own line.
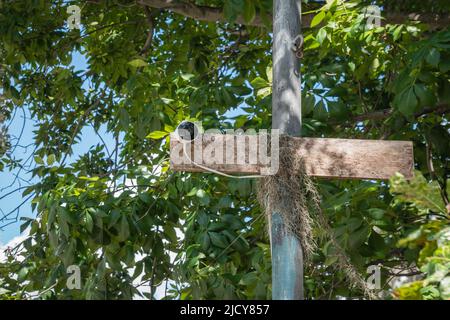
<point x="128" y="221"/>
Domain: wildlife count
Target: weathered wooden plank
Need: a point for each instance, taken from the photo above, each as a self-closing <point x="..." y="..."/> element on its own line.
<point x="324" y="158"/>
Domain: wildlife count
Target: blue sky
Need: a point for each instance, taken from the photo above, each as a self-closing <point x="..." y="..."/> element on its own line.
<point x="26" y="138"/>
<point x="15" y="130"/>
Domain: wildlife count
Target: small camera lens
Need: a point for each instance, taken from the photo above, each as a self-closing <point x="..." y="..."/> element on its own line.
<point x="187" y="131"/>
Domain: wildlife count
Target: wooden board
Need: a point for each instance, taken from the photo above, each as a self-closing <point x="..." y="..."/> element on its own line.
<point x="325" y="158"/>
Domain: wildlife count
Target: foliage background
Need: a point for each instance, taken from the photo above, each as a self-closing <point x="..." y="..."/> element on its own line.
<point x="122" y="213"/>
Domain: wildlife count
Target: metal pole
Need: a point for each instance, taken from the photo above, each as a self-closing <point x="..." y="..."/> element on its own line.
<point x="287" y="256"/>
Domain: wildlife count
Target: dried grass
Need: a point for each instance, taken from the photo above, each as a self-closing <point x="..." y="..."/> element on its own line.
<point x="293" y="194"/>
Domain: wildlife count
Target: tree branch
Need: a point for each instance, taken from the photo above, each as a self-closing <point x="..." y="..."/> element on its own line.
<point x="214" y="14"/>
<point x="151" y="23"/>
<point x="434" y="20"/>
<point x="386" y="113"/>
<point x="201" y="13"/>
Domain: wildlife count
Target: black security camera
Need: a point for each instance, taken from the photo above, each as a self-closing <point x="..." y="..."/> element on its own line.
<point x="187" y="131"/>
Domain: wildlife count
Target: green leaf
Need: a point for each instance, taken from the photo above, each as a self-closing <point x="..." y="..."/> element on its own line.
<point x="137" y="63"/>
<point x="218" y="240"/>
<point x="318" y="18"/>
<point x="426" y="97"/>
<point x="114" y="217"/>
<point x="397" y="32"/>
<point x="259" y="83"/>
<point x="433" y="57"/>
<point x="436" y="272"/>
<point x="171" y="234"/>
<point x="308" y="104"/>
<point x="338" y="110"/>
<point x="331" y="260"/>
<point x="15" y="93"/>
<point x="187" y="76"/>
<point x="228" y="98"/>
<point x="240" y="90"/>
<point x="444" y="288"/>
<point x="89" y="222"/>
<point x="68" y="253"/>
<point x="124" y="229"/>
<point x="167" y="101"/>
<point x="53" y="239"/>
<point x="26" y="224"/>
<point x="51" y="159"/>
<point x="410" y="291"/>
<point x="418" y="192"/>
<point x="201" y="193"/>
<point x="204" y="197"/>
<point x="407" y="102"/>
<point x="38" y="160"/>
<point x="92" y="179"/>
<point x="353" y="223"/>
<point x="249" y="11"/>
<point x="232" y="9"/>
<point x="376" y="242"/>
<point x="63" y="219"/>
<point x="376" y="213"/>
<point x="101" y="269"/>
<point x="23" y="273"/>
<point x="124" y="119"/>
<point x="444" y="66"/>
<point x="430" y="293"/>
<point x="51" y="216"/>
<point x="358" y="237"/>
<point x="156" y="135"/>
<point x="206" y="242"/>
<point x="321" y="35"/>
<point x="145" y="197"/>
<point x="320" y="112"/>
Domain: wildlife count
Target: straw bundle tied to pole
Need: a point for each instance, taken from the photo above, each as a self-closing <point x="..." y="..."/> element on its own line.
<point x="293" y="194"/>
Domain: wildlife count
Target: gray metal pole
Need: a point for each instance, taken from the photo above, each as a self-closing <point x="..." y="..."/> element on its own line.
<point x="287" y="256"/>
